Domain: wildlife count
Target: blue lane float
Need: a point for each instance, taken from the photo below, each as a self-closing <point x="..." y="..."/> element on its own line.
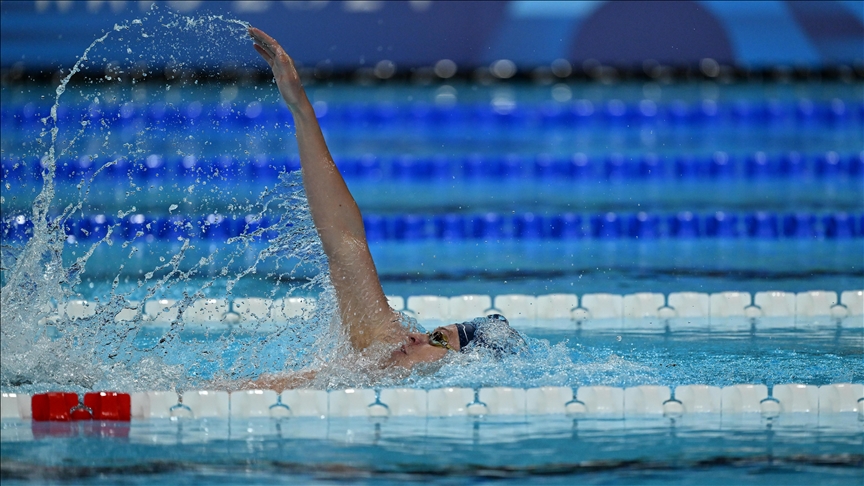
<point x="378" y="115"/>
<point x="718" y="166"/>
<point x="484" y="226"/>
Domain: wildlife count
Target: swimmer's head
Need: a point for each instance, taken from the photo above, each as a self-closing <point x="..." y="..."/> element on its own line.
<point x="492" y="333"/>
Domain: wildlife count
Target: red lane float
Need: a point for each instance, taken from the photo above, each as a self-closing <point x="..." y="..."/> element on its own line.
<point x="109" y="405"/>
<point x="64" y="407"/>
<point x="53" y="406"/>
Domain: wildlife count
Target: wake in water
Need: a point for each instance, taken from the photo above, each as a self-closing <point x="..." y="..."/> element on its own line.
<point x="279" y="247"/>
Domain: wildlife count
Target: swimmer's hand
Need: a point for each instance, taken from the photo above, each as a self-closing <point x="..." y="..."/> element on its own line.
<point x="283" y="68"/>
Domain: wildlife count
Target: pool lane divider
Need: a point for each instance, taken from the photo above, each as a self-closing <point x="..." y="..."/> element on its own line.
<point x="471" y="168"/>
<point x="653" y="312"/>
<point x="376" y="116"/>
<point x="582" y="401"/>
<point x="65" y="406"/>
<point x="528" y="226"/>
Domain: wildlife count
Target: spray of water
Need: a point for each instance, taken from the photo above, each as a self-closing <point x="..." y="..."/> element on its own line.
<point x="44" y="348"/>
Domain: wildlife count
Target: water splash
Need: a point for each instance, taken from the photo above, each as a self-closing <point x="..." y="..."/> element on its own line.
<point x="43" y="348"/>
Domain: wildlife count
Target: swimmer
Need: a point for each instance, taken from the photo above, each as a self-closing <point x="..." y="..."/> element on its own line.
<point x="367" y="319"/>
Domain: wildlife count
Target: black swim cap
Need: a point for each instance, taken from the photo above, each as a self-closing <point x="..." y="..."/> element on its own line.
<point x="466" y="332"/>
<point x="492" y="332"/>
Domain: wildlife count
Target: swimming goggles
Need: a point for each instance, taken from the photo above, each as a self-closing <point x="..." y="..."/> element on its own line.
<point x="439" y="339"/>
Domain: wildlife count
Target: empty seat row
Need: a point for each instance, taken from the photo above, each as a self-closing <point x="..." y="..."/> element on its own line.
<point x="352" y="114"/>
<point x="524" y="226"/>
<point x="448" y="402"/>
<point x="640" y="311"/>
<point x="718" y="165"/>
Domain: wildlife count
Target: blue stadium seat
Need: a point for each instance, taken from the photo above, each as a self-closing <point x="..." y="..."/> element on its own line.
<point x="721" y="225"/>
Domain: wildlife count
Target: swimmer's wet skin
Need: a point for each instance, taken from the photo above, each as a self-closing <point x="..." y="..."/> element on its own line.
<point x="365" y="314"/>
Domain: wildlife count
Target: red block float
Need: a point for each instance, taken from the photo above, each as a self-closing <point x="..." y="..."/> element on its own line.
<point x="53" y="406"/>
<point x="109" y="405"/>
<point x="63" y="407"/>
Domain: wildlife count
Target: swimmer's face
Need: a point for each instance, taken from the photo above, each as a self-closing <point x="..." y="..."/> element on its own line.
<point x="417" y="347"/>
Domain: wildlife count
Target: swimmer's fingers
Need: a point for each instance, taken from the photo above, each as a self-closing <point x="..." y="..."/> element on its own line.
<point x="266" y="55"/>
<point x="265" y="44"/>
<point x="265" y="41"/>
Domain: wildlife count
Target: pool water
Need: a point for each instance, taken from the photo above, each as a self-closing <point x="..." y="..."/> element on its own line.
<point x="700" y="448"/>
<point x="549" y="450"/>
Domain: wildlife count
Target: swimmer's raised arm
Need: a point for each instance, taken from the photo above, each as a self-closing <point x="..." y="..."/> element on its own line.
<point x="362" y="305"/>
